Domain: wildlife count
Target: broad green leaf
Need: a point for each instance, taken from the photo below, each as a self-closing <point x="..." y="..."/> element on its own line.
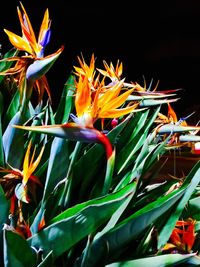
<point x="116" y="215"/>
<point x="168" y="260"/>
<point x="17" y="252"/>
<point x="77" y="222"/>
<point x="58" y="165"/>
<point x="130" y="229"/>
<point x="151" y="193"/>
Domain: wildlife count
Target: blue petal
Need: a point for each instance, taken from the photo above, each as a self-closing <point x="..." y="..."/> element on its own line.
<point x="46" y="38"/>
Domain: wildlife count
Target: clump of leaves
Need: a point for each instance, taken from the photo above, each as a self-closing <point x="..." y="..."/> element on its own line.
<point x="79" y="185"/>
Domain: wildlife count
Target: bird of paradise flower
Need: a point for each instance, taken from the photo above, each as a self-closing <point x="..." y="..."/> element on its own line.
<point x="16" y="184"/>
<point x="93" y="100"/>
<point x="182" y="237"/>
<point x="177" y="128"/>
<point x="30" y="68"/>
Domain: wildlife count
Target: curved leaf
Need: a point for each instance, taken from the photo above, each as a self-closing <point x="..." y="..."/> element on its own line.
<point x="58" y="164"/>
<point x="13" y="142"/>
<point x="66" y="101"/>
<point x="17" y="252"/>
<point x="168" y="260"/>
<point x="191" y="182"/>
<point x="129" y="229"/>
<point x="77" y="222"/>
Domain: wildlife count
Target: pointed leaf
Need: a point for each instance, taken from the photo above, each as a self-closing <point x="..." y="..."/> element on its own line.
<point x="4" y="207"/>
<point x="15" y="257"/>
<point x="171" y="128"/>
<point x="4" y="65"/>
<point x="13" y="142"/>
<point x="66" y="102"/>
<point x="13" y="108"/>
<point x="158" y="261"/>
<point x="191" y="182"/>
<point x="76" y="223"/>
<point x="58" y="165"/>
<point x="130" y="229"/>
<point x="1" y="141"/>
<point x="189" y="138"/>
<point x="155" y="102"/>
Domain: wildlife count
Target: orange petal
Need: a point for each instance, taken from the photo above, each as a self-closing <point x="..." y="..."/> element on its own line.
<point x="18" y="42"/>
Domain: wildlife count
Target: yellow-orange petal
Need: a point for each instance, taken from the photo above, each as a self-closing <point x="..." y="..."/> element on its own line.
<point x="83" y="96"/>
<point x="44" y="26"/>
<point x="116" y="113"/>
<point x="18" y="42"/>
<point x="118" y="101"/>
<point x="171" y="114"/>
<point x="29" y="166"/>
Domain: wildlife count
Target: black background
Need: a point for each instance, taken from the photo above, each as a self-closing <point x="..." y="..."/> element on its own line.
<point x="158" y="40"/>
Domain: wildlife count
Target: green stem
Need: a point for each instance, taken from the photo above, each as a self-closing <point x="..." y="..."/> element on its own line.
<point x="109" y="173"/>
<point x="26" y="95"/>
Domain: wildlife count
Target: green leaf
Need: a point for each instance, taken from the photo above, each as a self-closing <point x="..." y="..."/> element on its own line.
<point x="194" y="208"/>
<point x="4" y="65"/>
<point x="13" y="108"/>
<point x="17" y="252"/>
<point x="77" y="222"/>
<point x="66" y="101"/>
<point x="189" y="138"/>
<point x="127" y="153"/>
<point x="158" y="261"/>
<point x="47" y="261"/>
<point x="13" y="142"/>
<point x="116" y="215"/>
<point x="58" y="165"/>
<point x="113" y="241"/>
<point x="135" y="123"/>
<point x="109" y="173"/>
<point x="144" y="160"/>
<point x="4" y="207"/>
<point x="172" y="128"/>
<point x="1" y="141"/>
<point x="155" y="102"/>
<point x="191" y="183"/>
<point x="96" y="156"/>
<point x="137" y="139"/>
